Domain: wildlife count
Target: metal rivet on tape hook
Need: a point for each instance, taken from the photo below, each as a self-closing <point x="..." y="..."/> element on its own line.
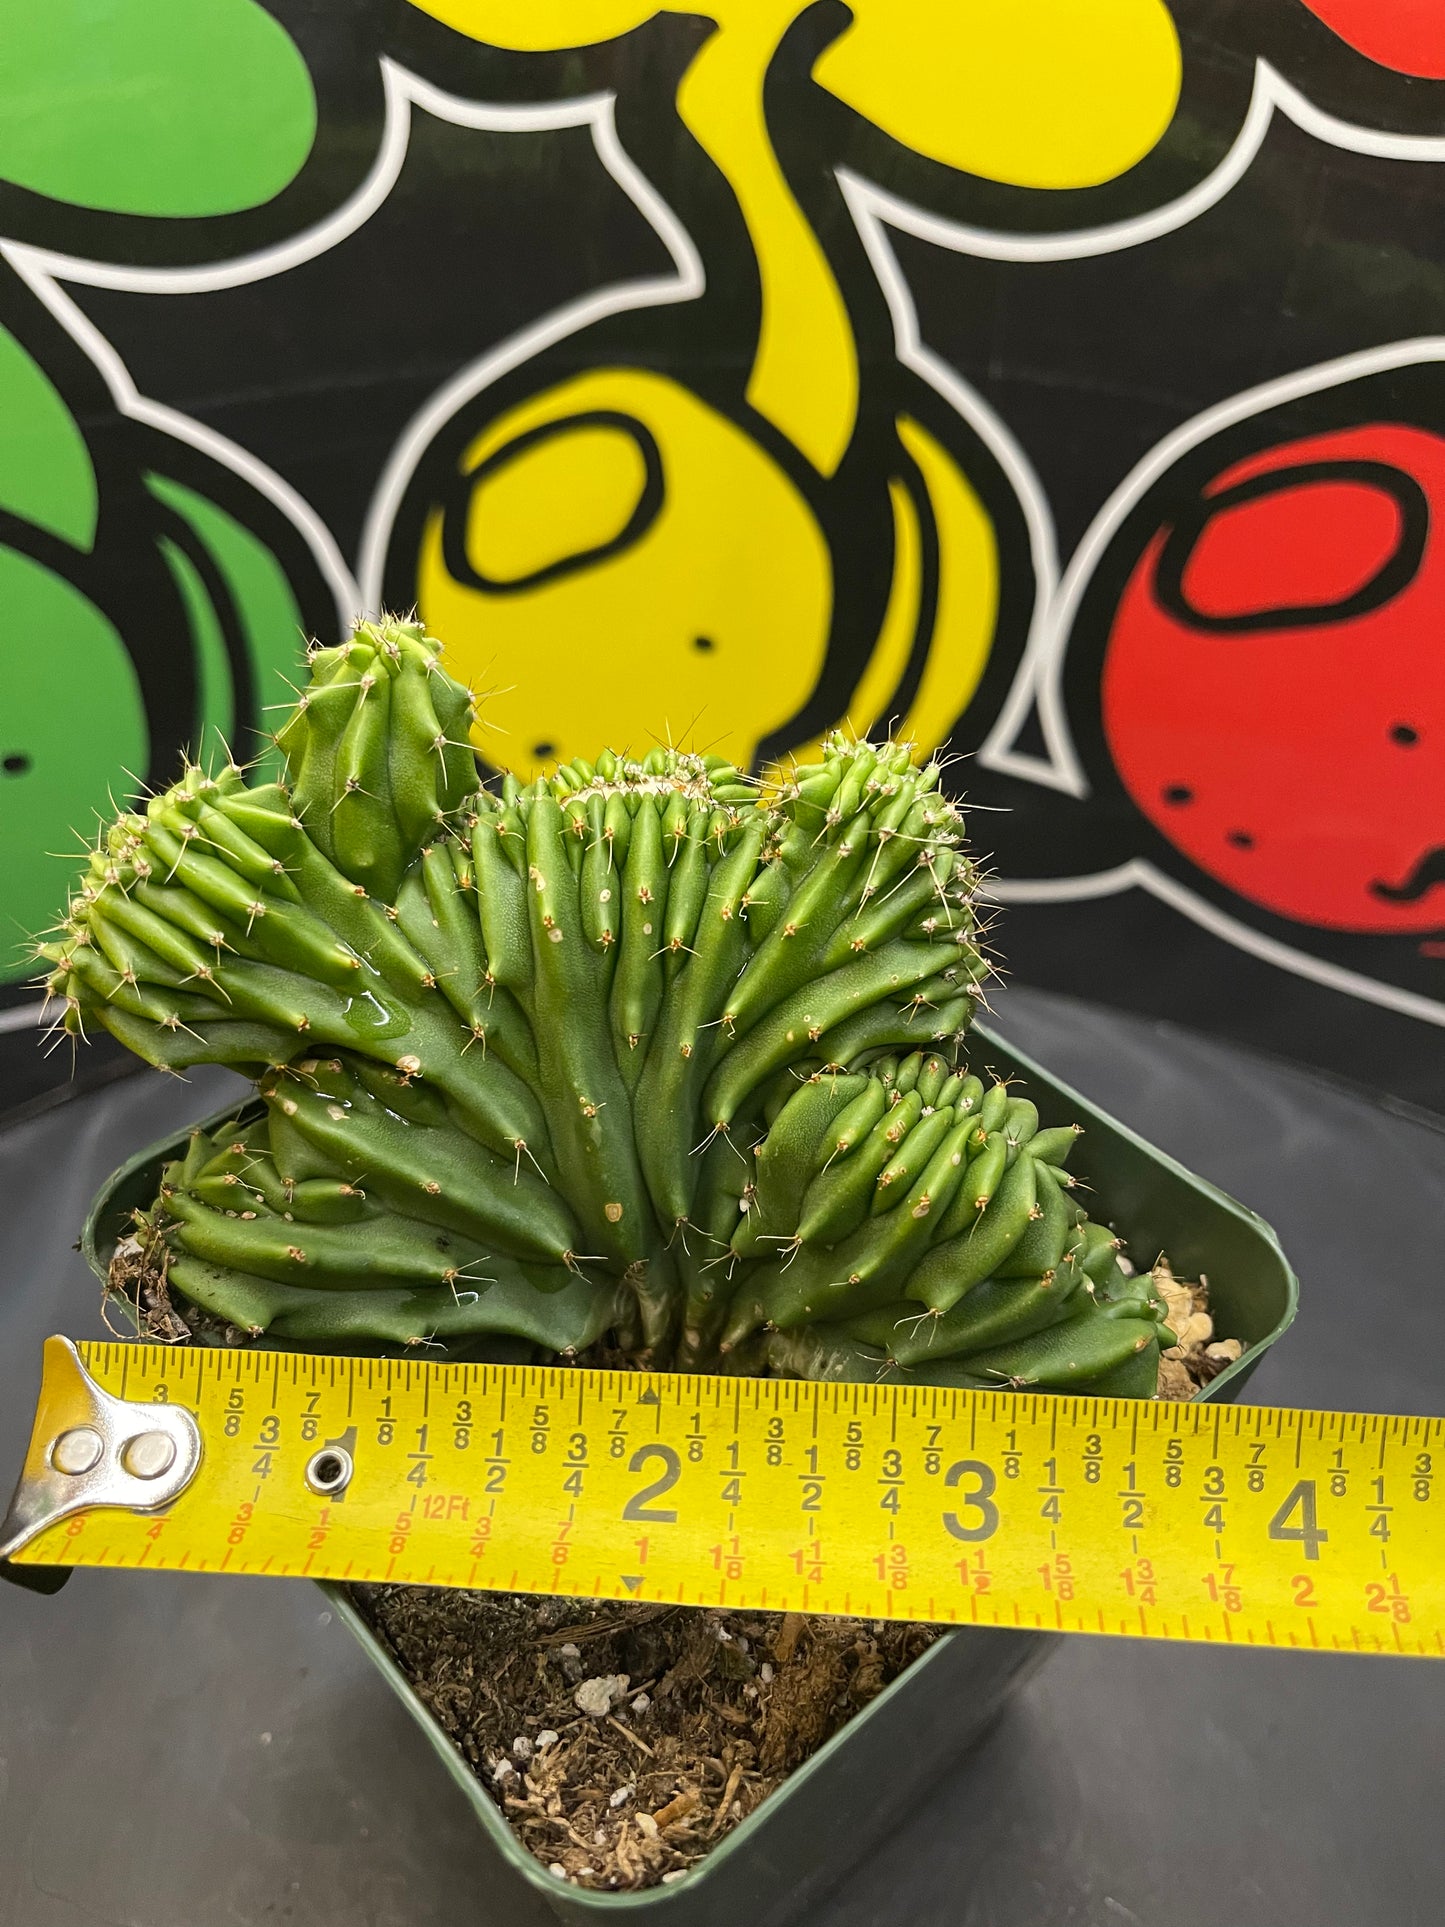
<point x="90" y="1448"/>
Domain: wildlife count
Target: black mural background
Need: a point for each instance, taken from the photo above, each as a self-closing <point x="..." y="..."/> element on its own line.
<point x="1314" y="252"/>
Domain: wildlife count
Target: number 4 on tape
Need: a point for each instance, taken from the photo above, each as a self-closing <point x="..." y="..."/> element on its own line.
<point x="1241" y="1525"/>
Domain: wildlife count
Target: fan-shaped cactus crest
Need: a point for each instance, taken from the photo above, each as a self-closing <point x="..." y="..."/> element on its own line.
<point x="642" y="1052"/>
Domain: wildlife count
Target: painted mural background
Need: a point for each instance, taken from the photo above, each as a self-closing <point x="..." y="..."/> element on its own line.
<point x="1059" y="380"/>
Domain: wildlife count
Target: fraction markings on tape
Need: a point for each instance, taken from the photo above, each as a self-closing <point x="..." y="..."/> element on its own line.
<point x="1247" y="1525"/>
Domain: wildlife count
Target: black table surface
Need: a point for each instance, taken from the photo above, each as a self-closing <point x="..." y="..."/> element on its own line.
<point x="199" y="1752"/>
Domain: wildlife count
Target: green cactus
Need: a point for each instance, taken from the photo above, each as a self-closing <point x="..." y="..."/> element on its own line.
<point x="612" y="1057"/>
<point x="377" y="752"/>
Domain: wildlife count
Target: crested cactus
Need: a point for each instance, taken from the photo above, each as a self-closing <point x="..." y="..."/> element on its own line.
<point x="637" y="1053"/>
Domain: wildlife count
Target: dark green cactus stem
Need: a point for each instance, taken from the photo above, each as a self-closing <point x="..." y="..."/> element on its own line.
<point x="377" y="752"/>
<point x="609" y="1056"/>
<point x="932" y="1244"/>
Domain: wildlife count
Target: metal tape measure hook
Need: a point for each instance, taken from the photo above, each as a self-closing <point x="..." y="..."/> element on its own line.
<point x="89" y="1448"/>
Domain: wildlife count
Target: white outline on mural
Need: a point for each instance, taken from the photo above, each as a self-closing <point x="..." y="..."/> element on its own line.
<point x="1271" y="92"/>
<point x="1036" y="687"/>
<point x="686" y="284"/>
<point x="865" y="204"/>
<point x="34" y="269"/>
<point x="43" y="269"/>
<point x="401" y="91"/>
<point x="1036" y="684"/>
<point x="1139" y="872"/>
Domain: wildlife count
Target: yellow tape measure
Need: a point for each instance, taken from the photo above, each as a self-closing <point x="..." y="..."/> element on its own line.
<point x="1232" y="1524"/>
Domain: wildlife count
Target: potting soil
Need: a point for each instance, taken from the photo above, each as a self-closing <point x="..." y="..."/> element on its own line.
<point x="693" y="1716"/>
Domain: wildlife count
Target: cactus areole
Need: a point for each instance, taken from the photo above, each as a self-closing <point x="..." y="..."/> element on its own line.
<point x="642" y="1055"/>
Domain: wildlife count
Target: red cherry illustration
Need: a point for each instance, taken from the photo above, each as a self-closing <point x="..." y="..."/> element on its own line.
<point x="1274" y="686"/>
<point x="1408" y="35"/>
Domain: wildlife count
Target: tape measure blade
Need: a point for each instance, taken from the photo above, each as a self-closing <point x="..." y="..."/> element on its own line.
<point x="92" y="1449"/>
<point x="1226" y="1524"/>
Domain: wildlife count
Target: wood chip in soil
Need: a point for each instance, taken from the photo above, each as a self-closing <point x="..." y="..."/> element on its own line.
<point x="716" y="1710"/>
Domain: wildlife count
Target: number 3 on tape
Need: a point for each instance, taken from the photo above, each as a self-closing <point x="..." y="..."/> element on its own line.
<point x="1240" y="1525"/>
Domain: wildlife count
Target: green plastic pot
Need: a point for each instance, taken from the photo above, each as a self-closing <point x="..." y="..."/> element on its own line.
<point x="842" y="1802"/>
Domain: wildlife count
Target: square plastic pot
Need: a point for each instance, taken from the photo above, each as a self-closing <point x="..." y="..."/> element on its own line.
<point x="842" y="1802"/>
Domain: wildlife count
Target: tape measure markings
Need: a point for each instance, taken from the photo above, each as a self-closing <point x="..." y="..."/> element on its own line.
<point x="1231" y="1524"/>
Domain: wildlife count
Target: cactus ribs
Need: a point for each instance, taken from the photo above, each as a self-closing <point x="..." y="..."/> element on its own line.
<point x="642" y="1055"/>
